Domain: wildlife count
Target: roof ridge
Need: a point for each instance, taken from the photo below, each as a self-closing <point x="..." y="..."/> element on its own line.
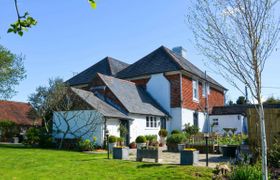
<point x="19" y="102"/>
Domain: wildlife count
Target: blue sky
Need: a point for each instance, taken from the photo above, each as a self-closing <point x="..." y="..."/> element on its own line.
<point x="70" y="37"/>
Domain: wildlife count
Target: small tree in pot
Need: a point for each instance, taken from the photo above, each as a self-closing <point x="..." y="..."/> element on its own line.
<point x="162" y="134"/>
<point x="141" y="141"/>
<point x="112" y="142"/>
<point x="174" y="140"/>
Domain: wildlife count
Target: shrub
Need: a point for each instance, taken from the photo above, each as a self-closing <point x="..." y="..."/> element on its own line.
<point x="112" y="139"/>
<point x="175" y="131"/>
<point x="120" y="139"/>
<point x="274" y="155"/>
<point x="151" y="138"/>
<point x="163" y="133"/>
<point x="141" y="139"/>
<point x="8" y="130"/>
<point x="176" y="139"/>
<point x="231" y="140"/>
<point x="86" y="145"/>
<point x="32" y="136"/>
<point x="191" y="130"/>
<point x="247" y="172"/>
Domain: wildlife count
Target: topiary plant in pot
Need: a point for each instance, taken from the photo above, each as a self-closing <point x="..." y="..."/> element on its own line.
<point x="112" y="142"/>
<point x="162" y="134"/>
<point x="173" y="141"/>
<point x="140" y="141"/>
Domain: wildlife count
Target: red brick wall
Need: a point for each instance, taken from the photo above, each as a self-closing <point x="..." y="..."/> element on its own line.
<point x="215" y="98"/>
<point x="175" y="90"/>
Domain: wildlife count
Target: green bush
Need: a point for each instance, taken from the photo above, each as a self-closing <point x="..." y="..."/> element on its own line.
<point x="86" y="145"/>
<point x="231" y="140"/>
<point x="38" y="136"/>
<point x="175" y="131"/>
<point x="246" y="172"/>
<point x="151" y="138"/>
<point x="8" y="130"/>
<point x="163" y="133"/>
<point x="120" y="139"/>
<point x="112" y="139"/>
<point x="191" y="130"/>
<point x="141" y="139"/>
<point x="274" y="155"/>
<point x="176" y="138"/>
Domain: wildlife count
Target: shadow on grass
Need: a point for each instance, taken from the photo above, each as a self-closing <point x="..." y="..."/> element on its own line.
<point x="149" y="165"/>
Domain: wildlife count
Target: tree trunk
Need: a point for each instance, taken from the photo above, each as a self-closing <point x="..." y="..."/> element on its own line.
<point x="263" y="141"/>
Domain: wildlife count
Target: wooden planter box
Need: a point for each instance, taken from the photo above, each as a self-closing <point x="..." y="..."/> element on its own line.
<point x="121" y="153"/>
<point x="148" y="153"/>
<point x="229" y="150"/>
<point x="189" y="157"/>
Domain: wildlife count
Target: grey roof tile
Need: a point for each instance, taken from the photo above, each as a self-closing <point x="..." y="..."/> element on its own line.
<point x="96" y="103"/>
<point x="162" y="60"/>
<point x="134" y="98"/>
<point x="108" y="66"/>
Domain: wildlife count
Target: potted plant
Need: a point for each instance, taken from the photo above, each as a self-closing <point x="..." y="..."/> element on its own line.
<point x="141" y="141"/>
<point x="121" y="152"/>
<point x="162" y="134"/>
<point x="229" y="144"/>
<point x="175" y="142"/>
<point x="112" y="142"/>
<point x="120" y="141"/>
<point x="151" y="139"/>
<point x="189" y="156"/>
<point x="132" y="145"/>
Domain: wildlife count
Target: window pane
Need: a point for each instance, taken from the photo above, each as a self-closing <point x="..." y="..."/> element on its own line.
<point x="151" y="121"/>
<point x="155" y="122"/>
<point x="147" y="121"/>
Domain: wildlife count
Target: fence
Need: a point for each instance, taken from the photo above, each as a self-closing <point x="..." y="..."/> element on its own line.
<point x="272" y="127"/>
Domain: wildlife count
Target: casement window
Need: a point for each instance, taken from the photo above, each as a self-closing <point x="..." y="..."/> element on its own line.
<point x="152" y="122"/>
<point x="215" y="122"/>
<point x="195" y="90"/>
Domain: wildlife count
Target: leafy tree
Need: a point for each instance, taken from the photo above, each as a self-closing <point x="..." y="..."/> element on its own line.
<point x="238" y="36"/>
<point x="25" y="21"/>
<point x="11" y="72"/>
<point x="272" y="100"/>
<point x="241" y="100"/>
<point x="8" y="130"/>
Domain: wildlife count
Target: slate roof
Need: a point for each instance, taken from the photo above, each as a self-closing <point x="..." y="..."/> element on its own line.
<point x="238" y="109"/>
<point x="96" y="103"/>
<point x="108" y="66"/>
<point x="18" y="112"/>
<point x="135" y="99"/>
<point x="163" y="60"/>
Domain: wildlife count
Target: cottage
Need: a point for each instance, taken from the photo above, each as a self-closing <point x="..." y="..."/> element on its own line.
<point x="161" y="90"/>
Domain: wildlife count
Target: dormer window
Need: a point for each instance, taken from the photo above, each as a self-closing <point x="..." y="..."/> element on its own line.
<point x="195" y="90"/>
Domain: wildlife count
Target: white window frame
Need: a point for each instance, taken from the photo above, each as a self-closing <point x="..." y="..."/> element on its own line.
<point x="152" y="122"/>
<point x="204" y="89"/>
<point x="195" y="83"/>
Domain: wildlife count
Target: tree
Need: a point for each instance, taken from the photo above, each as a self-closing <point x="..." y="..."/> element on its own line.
<point x="25" y="21"/>
<point x="60" y="102"/>
<point x="11" y="72"/>
<point x="241" y="100"/>
<point x="238" y="36"/>
<point x="272" y="100"/>
<point x="40" y="101"/>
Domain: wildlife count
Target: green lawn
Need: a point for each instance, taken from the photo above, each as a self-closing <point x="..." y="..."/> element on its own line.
<point x="24" y="163"/>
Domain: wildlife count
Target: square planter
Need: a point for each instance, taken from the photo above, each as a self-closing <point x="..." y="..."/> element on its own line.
<point x="189" y="157"/>
<point x="121" y="153"/>
<point x="148" y="153"/>
<point x="229" y="150"/>
<point x="181" y="147"/>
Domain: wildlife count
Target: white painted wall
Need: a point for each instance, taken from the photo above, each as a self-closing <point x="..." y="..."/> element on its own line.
<point x="228" y="121"/>
<point x="113" y="126"/>
<point x="176" y="120"/>
<point x="138" y="127"/>
<point x="159" y="87"/>
<point x="76" y="120"/>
